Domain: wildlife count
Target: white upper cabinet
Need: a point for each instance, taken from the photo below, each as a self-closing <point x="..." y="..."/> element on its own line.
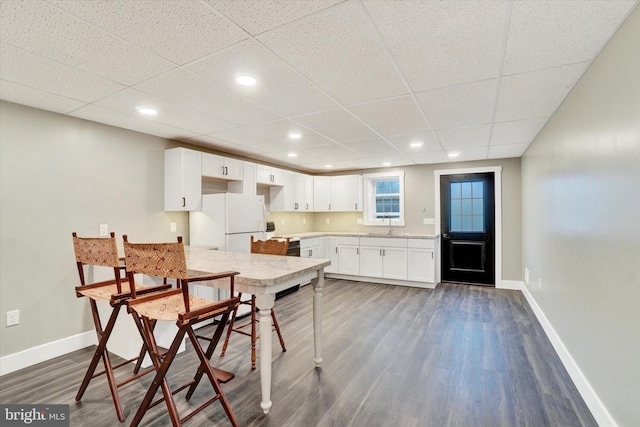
<point x="282" y="195"/>
<point x="302" y="192"/>
<point x="341" y="193"/>
<point x="182" y="180"/>
<point x="268" y="175"/>
<point x="214" y="166"/>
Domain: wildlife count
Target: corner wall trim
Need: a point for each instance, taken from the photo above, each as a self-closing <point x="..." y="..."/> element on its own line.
<point x="514" y="285"/>
<point x="595" y="405"/>
<point x="31" y="356"/>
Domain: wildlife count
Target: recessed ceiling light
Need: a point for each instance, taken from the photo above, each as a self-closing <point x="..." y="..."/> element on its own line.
<point x="328" y="166"/>
<point x="386" y="164"/>
<point x="292" y="155"/>
<point x="416" y="144"/>
<point x="452" y="155"/>
<point x="295" y="135"/>
<point x="146" y="110"/>
<point x="246" y="80"/>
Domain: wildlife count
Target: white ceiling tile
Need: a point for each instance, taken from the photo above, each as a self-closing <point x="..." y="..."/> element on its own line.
<point x="14" y="92"/>
<point x="517" y="131"/>
<point x="537" y="93"/>
<point x="335" y="152"/>
<point x="280" y="130"/>
<point x="392" y="116"/>
<point x="470" y="154"/>
<point x="338" y="125"/>
<point x="200" y="94"/>
<point x="438" y="43"/>
<point x="179" y="31"/>
<point x="374" y="147"/>
<point x="506" y="151"/>
<point x="257" y="16"/>
<point x="429" y="142"/>
<point x="381" y="162"/>
<point x="139" y="124"/>
<point x="218" y="144"/>
<point x="279" y="87"/>
<point x="545" y="34"/>
<point x="430" y="157"/>
<point x="169" y="113"/>
<point x="463" y="138"/>
<point x="58" y="35"/>
<point x="457" y="106"/>
<point x="35" y="71"/>
<point x="252" y="141"/>
<point x="340" y="50"/>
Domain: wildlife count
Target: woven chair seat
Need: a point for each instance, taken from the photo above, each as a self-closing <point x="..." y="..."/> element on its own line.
<point x="168" y="307"/>
<point x="104" y="293"/>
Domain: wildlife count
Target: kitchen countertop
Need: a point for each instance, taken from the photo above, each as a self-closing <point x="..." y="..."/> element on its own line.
<point x="308" y="235"/>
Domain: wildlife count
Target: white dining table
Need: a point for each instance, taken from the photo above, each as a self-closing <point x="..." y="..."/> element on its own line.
<point x="263" y="276"/>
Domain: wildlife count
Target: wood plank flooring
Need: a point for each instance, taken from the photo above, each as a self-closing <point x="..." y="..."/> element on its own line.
<point x="393" y="356"/>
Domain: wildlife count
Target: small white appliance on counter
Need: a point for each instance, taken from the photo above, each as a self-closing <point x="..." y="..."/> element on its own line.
<point x="226" y="223"/>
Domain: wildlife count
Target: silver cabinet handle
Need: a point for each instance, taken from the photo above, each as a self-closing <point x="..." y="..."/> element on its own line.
<point x="380" y="252"/>
<point x="336" y="249"/>
<point x="184" y="202"/>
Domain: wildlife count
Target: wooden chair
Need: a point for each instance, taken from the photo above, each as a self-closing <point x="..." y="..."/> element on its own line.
<point x="271" y="247"/>
<point x="167" y="260"/>
<point x="103" y="252"/>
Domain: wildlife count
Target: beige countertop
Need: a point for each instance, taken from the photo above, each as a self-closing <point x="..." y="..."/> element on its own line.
<point x="308" y="235"/>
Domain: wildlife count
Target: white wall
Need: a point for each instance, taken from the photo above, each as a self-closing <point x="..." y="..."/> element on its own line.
<point x="581" y="224"/>
<point x="58" y="175"/>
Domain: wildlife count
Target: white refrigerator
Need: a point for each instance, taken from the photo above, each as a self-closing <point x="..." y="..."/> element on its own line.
<point x="227" y="222"/>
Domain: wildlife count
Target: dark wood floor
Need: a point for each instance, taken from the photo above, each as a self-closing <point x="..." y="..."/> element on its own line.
<point x="393" y="356"/>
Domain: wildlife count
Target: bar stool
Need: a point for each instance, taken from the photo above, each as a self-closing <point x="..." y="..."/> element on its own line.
<point x="271" y="247"/>
<point x="103" y="252"/>
<point x="167" y="260"/>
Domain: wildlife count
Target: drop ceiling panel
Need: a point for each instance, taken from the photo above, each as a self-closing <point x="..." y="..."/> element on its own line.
<point x="64" y="38"/>
<point x="14" y="92"/>
<point x="280" y="130"/>
<point x="460" y="139"/>
<point x="217" y="144"/>
<point x="37" y="72"/>
<point x="462" y="105"/>
<point x="257" y="16"/>
<point x="114" y="118"/>
<point x="476" y="153"/>
<point x="338" y="125"/>
<point x="251" y="141"/>
<point x="335" y="152"/>
<point x="392" y="116"/>
<point x="545" y="34"/>
<point x="200" y="94"/>
<point x="376" y="162"/>
<point x="178" y="31"/>
<point x="169" y="113"/>
<point x="429" y="142"/>
<point x="279" y="86"/>
<point x="438" y="44"/>
<point x="431" y="157"/>
<point x="340" y="50"/>
<point x="374" y="147"/>
<point x="537" y="93"/>
<point x="506" y="151"/>
<point x="517" y="131"/>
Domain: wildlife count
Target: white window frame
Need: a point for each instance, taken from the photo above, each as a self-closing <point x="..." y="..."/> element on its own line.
<point x="369" y="209"/>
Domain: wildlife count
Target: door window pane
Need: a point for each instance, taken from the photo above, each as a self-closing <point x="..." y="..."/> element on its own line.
<point x="467" y="206"/>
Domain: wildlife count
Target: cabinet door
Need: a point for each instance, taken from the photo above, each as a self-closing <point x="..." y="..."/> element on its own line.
<point x="346" y="193"/>
<point x="394" y="263"/>
<point x="281" y="197"/>
<point x="182" y="180"/>
<point x="421" y="265"/>
<point x="331" y="252"/>
<point x="233" y="169"/>
<point x="212" y="166"/>
<point x="280" y="176"/>
<point x="349" y="260"/>
<point x="263" y="174"/>
<point x="307" y="202"/>
<point x="321" y="193"/>
<point x="370" y="261"/>
<point x="298" y="192"/>
<point x="310" y="252"/>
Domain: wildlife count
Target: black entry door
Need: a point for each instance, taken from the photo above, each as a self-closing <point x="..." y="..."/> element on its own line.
<point x="467" y="228"/>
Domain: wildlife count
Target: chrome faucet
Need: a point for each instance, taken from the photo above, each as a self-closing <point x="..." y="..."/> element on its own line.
<point x="390" y="229"/>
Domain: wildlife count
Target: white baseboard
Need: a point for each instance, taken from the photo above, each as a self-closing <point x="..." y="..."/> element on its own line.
<point x="597" y="408"/>
<point x="41" y="353"/>
<point x="515" y="285"/>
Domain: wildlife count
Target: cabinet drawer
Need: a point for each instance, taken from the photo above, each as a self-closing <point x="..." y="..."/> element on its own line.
<point x="383" y="241"/>
<point x="307" y="243"/>
<point x="421" y="243"/>
<point x="348" y="240"/>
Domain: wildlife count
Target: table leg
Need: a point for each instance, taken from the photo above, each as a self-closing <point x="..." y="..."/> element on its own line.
<point x="317" y="284"/>
<point x="264" y="303"/>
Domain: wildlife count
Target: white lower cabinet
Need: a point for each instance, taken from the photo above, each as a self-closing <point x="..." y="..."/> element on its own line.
<point x="331" y="253"/>
<point x="349" y="255"/>
<point x="383" y="257"/>
<point x="421" y="262"/>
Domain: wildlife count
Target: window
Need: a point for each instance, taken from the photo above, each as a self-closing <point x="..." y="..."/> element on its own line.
<point x="384" y="199"/>
<point x="467" y="206"/>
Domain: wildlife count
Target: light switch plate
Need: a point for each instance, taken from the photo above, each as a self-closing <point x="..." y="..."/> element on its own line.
<point x="104" y="230"/>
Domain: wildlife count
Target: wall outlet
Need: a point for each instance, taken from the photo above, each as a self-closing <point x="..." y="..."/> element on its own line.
<point x="282" y="221"/>
<point x="328" y="220"/>
<point x="359" y="221"/>
<point x="428" y="221"/>
<point x="104" y="230"/>
<point x="13" y="317"/>
<point x="173" y="227"/>
<point x="540" y="283"/>
<point x="526" y="275"/>
<point x="304" y="221"/>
